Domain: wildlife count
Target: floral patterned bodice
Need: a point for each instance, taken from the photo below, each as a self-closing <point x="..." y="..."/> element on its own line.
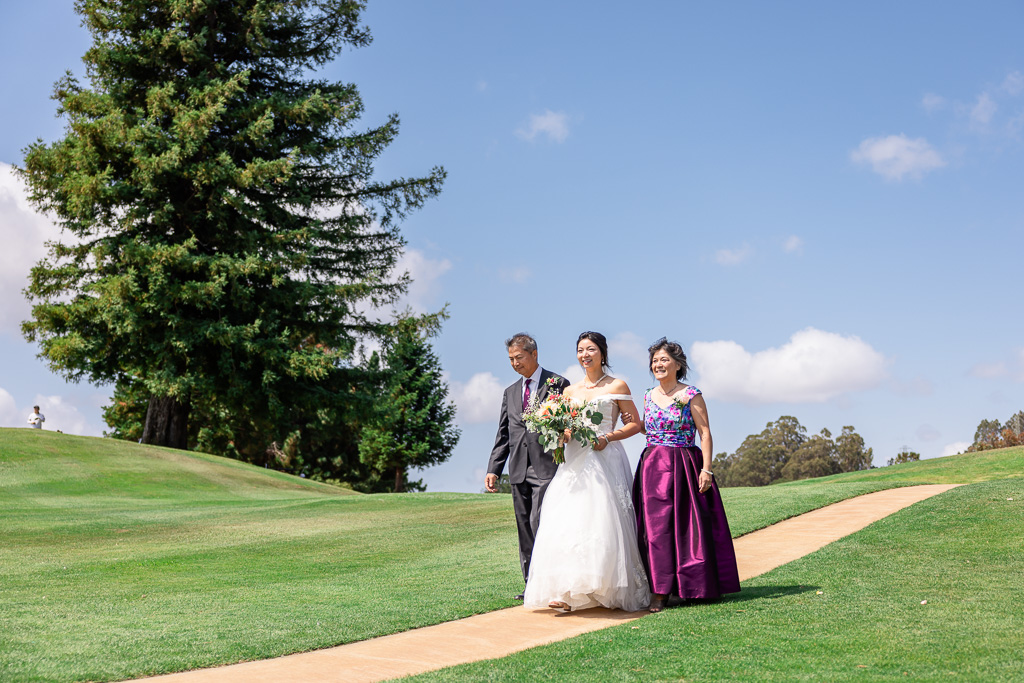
<point x="670" y="426"/>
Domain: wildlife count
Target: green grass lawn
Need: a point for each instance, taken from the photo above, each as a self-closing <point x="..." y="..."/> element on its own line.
<point x="933" y="592"/>
<point x="119" y="560"/>
<point x="752" y="508"/>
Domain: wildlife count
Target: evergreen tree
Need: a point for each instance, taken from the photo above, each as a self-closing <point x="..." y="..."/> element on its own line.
<point x="228" y="235"/>
<point x="414" y="425"/>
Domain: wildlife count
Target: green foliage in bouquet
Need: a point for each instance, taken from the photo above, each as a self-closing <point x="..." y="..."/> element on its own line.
<point x="557" y="413"/>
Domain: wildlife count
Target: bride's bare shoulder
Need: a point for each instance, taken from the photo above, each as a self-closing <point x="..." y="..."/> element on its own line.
<point x="618" y="386"/>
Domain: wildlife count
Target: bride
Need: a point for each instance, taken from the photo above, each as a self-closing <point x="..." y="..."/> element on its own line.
<point x="586" y="553"/>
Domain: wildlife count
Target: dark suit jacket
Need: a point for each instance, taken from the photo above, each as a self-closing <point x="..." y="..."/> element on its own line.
<point x="514" y="443"/>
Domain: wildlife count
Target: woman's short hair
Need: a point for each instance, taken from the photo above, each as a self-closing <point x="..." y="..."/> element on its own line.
<point x="602" y="345"/>
<point x="522" y="341"/>
<point x="674" y="350"/>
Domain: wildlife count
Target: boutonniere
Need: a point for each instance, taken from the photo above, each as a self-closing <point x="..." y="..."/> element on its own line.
<point x="678" y="400"/>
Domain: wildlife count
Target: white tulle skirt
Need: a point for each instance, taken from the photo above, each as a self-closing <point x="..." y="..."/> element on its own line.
<point x="586" y="553"/>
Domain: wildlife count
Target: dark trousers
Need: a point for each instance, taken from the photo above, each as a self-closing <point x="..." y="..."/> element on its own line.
<point x="526" y="499"/>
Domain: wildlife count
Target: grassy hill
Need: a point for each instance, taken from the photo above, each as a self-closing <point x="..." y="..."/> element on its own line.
<point x="80" y="470"/>
<point x="119" y="560"/>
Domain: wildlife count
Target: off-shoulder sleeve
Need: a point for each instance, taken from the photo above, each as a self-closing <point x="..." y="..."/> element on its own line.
<point x="618" y="397"/>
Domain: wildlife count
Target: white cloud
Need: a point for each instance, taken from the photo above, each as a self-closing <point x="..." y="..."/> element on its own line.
<point x="733" y="257"/>
<point x="573" y="373"/>
<point x="426" y="274"/>
<point x="896" y="156"/>
<point x="517" y="275"/>
<point x="1013" y="84"/>
<point x="63" y="416"/>
<point x="60" y="414"/>
<point x="983" y="110"/>
<point x="25" y="235"/>
<point x="813" y="367"/>
<point x="931" y="102"/>
<point x="988" y="370"/>
<point x="9" y="411"/>
<point x="955" y="447"/>
<point x="918" y="386"/>
<point x="792" y="243"/>
<point x="479" y="399"/>
<point x="553" y="124"/>
<point x="629" y="347"/>
<point x="1011" y="367"/>
<point x="1015" y="125"/>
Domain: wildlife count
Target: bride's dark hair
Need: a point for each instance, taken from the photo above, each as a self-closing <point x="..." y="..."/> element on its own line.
<point x="602" y="345"/>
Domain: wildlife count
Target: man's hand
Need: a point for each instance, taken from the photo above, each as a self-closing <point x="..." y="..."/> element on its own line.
<point x="491" y="483"/>
<point x="626" y="417"/>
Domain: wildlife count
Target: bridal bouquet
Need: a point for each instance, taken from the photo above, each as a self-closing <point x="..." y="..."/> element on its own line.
<point x="548" y="420"/>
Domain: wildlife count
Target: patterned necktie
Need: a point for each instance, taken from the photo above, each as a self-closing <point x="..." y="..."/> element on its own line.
<point x="526" y="395"/>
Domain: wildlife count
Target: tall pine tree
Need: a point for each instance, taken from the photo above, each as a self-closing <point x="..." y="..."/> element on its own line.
<point x="414" y="423"/>
<point x="227" y="233"/>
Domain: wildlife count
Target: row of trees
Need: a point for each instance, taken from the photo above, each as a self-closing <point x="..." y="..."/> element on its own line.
<point x="784" y="452"/>
<point x="230" y="248"/>
<point x="905" y="455"/>
<point x="393" y="414"/>
<point x="991" y="434"/>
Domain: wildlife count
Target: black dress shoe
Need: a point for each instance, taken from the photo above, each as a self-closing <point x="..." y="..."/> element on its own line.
<point x="519" y="597"/>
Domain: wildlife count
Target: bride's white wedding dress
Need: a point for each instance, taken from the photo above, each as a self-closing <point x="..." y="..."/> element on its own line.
<point x="586" y="553"/>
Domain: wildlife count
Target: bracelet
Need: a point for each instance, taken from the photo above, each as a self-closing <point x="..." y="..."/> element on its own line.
<point x="708" y="471"/>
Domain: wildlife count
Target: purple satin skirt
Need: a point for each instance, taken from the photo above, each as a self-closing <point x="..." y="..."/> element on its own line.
<point x="683" y="534"/>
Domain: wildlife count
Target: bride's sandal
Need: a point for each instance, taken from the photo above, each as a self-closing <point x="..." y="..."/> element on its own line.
<point x="559" y="606"/>
<point x="657" y="604"/>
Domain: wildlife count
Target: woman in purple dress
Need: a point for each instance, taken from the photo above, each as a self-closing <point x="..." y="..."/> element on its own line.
<point x="681" y="526"/>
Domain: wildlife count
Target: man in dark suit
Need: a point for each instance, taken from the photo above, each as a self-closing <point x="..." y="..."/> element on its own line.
<point x="530" y="467"/>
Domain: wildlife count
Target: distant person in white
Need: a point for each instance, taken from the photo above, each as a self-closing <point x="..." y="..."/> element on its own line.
<point x="36" y="419"/>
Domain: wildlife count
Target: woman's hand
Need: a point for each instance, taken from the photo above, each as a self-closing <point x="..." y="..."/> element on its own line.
<point x="704" y="481"/>
<point x="600" y="443"/>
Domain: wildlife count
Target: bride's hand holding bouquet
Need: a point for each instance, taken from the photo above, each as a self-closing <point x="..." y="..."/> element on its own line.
<point x="558" y="419"/>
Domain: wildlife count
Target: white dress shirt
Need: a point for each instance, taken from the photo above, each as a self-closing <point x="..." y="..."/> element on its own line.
<point x="534" y="384"/>
<point x="36" y="420"/>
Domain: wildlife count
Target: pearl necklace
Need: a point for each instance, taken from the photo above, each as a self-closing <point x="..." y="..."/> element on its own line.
<point x="594" y="385"/>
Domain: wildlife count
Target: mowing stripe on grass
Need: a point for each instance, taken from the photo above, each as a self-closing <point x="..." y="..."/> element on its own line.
<point x="501" y="633"/>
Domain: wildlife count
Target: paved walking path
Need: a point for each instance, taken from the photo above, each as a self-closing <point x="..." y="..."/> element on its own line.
<point x="497" y="634"/>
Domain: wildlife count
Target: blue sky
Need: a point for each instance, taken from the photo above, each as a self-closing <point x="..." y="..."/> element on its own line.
<point x="822" y="203"/>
